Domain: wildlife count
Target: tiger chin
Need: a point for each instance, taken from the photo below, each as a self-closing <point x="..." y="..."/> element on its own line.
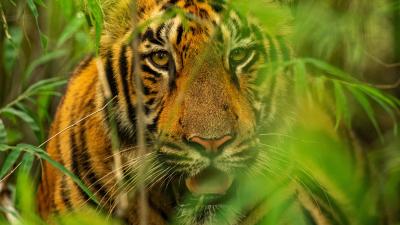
<point x="204" y="103"/>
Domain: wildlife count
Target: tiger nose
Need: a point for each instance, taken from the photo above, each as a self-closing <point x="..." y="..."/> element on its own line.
<point x="211" y="145"/>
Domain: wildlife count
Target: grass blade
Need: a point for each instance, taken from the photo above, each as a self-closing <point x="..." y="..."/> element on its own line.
<point x="43" y="155"/>
<point x="9" y="162"/>
<point x="25" y="117"/>
<point x="366" y="105"/>
<point x="26" y="163"/>
<point x="3" y="132"/>
<point x="42" y="60"/>
<point x="342" y="110"/>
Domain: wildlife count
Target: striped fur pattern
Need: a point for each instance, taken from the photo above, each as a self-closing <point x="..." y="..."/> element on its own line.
<point x="200" y="76"/>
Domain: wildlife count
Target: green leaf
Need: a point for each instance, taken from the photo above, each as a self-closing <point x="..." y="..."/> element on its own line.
<point x="39" y="133"/>
<point x="11" y="49"/>
<point x="96" y="16"/>
<point x="342" y="110"/>
<point x="300" y="77"/>
<point x="43" y="60"/>
<point x="9" y="162"/>
<point x="320" y="87"/>
<point x="46" y="85"/>
<point x="387" y="106"/>
<point x="40" y="2"/>
<point x="378" y="95"/>
<point x="26" y="163"/>
<point x="73" y="26"/>
<point x="25" y="117"/>
<point x="32" y="7"/>
<point x="365" y="104"/>
<point x="43" y="155"/>
<point x="332" y="70"/>
<point x="3" y="133"/>
<point x="4" y="147"/>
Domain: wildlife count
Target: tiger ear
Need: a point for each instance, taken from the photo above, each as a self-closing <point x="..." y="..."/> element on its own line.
<point x="119" y="16"/>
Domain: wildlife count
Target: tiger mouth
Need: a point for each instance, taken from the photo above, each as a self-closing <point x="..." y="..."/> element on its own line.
<point x="212" y="185"/>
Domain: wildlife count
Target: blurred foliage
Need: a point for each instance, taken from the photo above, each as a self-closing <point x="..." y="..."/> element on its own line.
<point x="346" y="74"/>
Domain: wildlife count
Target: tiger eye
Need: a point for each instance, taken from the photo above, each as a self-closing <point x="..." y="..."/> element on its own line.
<point x="160" y="59"/>
<point x="238" y="55"/>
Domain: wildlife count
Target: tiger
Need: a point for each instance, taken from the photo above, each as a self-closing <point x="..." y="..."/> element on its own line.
<point x="192" y="73"/>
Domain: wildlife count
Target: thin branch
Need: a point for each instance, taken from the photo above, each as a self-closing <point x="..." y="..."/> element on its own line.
<point x="122" y="198"/>
<point x="5" y="25"/>
<point x="381" y="62"/>
<point x="140" y="129"/>
<point x="387" y="86"/>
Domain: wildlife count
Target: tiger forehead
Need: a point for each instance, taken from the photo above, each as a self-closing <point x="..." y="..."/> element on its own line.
<point x="187" y="30"/>
<point x="203" y="9"/>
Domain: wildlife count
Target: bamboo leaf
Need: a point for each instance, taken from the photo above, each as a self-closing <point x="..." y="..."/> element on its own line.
<point x="43" y="155"/>
<point x="3" y="133"/>
<point x="4" y="147"/>
<point x="32" y="7"/>
<point x="42" y="60"/>
<point x="365" y="104"/>
<point x="9" y="162"/>
<point x="389" y="110"/>
<point x="45" y="85"/>
<point x="320" y="88"/>
<point x="96" y="16"/>
<point x="39" y="133"/>
<point x="40" y="2"/>
<point x="342" y="111"/>
<point x="378" y="95"/>
<point x="300" y="77"/>
<point x="26" y="163"/>
<point x="332" y="70"/>
<point x="25" y="117"/>
<point x="11" y="49"/>
<point x="73" y="26"/>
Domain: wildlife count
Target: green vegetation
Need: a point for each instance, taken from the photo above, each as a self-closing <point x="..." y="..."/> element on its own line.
<point x="344" y="147"/>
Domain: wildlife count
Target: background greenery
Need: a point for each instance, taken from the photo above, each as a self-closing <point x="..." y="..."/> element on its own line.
<point x="347" y="61"/>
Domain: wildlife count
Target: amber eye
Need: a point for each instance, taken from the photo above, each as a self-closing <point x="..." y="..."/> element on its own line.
<point x="160" y="59"/>
<point x="238" y="55"/>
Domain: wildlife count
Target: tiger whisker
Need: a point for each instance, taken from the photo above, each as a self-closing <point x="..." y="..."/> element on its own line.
<point x="78" y="122"/>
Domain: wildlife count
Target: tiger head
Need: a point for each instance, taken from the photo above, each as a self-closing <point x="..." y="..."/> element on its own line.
<point x="203" y="94"/>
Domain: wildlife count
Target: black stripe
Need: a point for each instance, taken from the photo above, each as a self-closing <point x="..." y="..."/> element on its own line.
<point x="179" y="35"/>
<point x="149" y="35"/>
<point x="76" y="168"/>
<point x="234" y="76"/>
<point x="171" y="73"/>
<point x="151" y="79"/>
<point x="153" y="126"/>
<point x="123" y="66"/>
<point x="147" y="69"/>
<point x="146" y="90"/>
<point x="65" y="192"/>
<point x="158" y="209"/>
<point x="110" y="75"/>
<point x="217" y="7"/>
<point x="150" y="101"/>
<point x="86" y="163"/>
<point x="169" y="4"/>
<point x="158" y="33"/>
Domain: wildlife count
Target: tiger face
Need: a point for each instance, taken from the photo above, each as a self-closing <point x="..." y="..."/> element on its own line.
<point x="203" y="99"/>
